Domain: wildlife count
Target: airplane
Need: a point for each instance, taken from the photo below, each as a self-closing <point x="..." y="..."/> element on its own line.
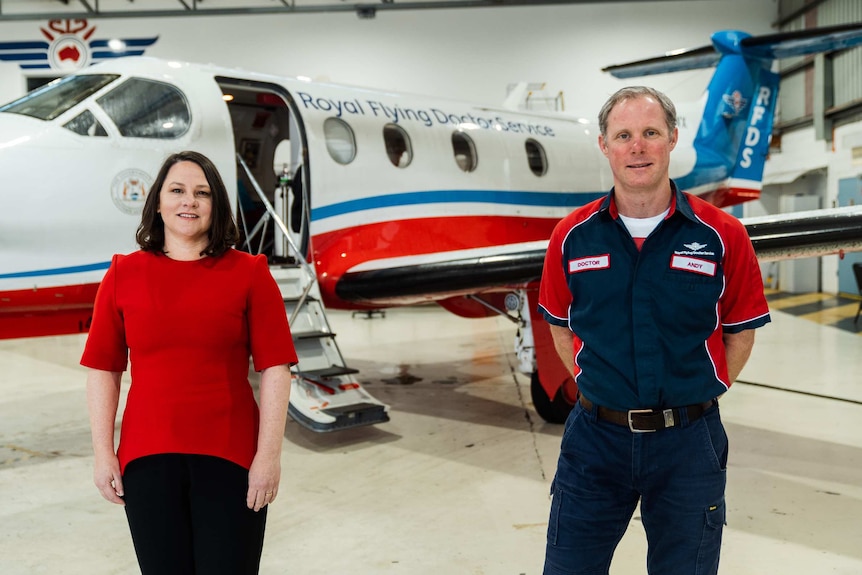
<point x="365" y="199"/>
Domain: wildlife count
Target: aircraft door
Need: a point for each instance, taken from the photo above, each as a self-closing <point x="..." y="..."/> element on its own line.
<point x="268" y="138"/>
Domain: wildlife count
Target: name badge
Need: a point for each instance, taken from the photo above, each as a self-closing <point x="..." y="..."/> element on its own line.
<point x="696" y="265"/>
<point x="590" y="263"/>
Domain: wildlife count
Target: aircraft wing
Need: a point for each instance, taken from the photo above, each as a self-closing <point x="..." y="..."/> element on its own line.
<point x="783" y="236"/>
<point x="806" y="234"/>
<point x="443" y="275"/>
<point x="781" y="45"/>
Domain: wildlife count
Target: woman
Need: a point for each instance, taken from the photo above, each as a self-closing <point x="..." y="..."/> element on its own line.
<point x="197" y="462"/>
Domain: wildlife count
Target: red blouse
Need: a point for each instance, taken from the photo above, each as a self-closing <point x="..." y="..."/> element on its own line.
<point x="188" y="328"/>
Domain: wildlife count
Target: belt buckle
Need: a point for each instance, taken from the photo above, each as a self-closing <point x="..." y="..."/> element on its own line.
<point x="631" y="412"/>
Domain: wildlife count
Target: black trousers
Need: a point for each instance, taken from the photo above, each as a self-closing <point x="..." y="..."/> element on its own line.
<point x="188" y="516"/>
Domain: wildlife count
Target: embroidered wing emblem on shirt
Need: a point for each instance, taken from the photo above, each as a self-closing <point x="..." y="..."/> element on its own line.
<point x="695" y="247"/>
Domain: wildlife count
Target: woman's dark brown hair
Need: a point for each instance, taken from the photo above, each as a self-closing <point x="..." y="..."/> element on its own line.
<point x="223" y="233"/>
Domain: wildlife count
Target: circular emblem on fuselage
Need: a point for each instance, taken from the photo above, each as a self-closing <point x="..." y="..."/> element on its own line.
<point x="129" y="190"/>
<point x="68" y="53"/>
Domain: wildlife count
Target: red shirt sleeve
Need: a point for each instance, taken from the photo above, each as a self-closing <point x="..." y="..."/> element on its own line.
<point x="743" y="305"/>
<point x="106" y="347"/>
<point x="555" y="297"/>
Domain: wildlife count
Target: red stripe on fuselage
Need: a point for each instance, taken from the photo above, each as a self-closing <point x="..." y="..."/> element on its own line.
<point x="46" y="311"/>
<point x="336" y="252"/>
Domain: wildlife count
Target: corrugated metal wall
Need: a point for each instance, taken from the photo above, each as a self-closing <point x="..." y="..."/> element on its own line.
<point x="847" y="66"/>
<point x="796" y="96"/>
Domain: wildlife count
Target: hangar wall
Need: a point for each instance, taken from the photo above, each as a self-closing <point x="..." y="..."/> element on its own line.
<point x="470" y="54"/>
<point x="817" y="149"/>
<point x="807" y="167"/>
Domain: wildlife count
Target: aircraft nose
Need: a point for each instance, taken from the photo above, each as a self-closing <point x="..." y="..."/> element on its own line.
<point x="16" y="129"/>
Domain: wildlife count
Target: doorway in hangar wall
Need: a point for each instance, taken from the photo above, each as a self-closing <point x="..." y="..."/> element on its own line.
<point x="849" y="194"/>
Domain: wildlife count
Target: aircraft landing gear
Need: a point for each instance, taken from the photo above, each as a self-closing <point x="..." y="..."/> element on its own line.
<point x="552" y="411"/>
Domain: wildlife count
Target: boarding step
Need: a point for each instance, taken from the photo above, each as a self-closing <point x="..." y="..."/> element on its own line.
<point x="331" y="371"/>
<point x="313" y="335"/>
<point x="332" y="404"/>
<point x="325" y="395"/>
<point x="319" y="356"/>
<point x="309" y="320"/>
<point x="291" y="280"/>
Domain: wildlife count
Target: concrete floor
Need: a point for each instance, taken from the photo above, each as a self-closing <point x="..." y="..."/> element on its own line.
<point x="457" y="482"/>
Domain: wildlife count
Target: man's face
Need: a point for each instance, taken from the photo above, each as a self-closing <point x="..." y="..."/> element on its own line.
<point x="638" y="145"/>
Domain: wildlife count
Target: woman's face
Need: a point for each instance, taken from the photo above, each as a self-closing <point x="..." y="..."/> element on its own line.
<point x="185" y="204"/>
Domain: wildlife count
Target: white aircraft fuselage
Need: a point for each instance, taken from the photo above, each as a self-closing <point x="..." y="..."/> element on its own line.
<point x="73" y="199"/>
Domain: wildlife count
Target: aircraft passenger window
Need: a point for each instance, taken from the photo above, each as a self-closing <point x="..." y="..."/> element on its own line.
<point x="53" y="99"/>
<point x="536" y="157"/>
<point x="147" y="109"/>
<point x="340" y="141"/>
<point x="85" y="124"/>
<point x="465" y="151"/>
<point x="398" y="146"/>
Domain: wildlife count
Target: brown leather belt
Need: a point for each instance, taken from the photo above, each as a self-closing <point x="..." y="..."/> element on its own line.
<point x="646" y="420"/>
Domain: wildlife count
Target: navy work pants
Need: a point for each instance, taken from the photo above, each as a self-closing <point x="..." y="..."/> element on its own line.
<point x="188" y="516"/>
<point x="678" y="474"/>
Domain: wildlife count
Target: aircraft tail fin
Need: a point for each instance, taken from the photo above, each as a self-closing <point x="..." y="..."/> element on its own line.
<point x="732" y="141"/>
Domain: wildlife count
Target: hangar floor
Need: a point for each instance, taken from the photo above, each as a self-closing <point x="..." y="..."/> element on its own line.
<point x="457" y="482"/>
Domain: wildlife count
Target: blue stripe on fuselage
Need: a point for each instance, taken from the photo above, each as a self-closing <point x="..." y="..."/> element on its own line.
<point x="58" y="271"/>
<point x="549" y="199"/>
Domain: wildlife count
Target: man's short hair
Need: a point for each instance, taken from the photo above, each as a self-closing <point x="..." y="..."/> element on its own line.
<point x="632" y="93"/>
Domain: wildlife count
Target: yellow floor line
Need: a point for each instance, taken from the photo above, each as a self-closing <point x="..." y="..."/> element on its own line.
<point x="801" y="299"/>
<point x="833" y="314"/>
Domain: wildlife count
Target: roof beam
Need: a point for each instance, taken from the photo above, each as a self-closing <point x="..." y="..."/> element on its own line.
<point x="290" y="7"/>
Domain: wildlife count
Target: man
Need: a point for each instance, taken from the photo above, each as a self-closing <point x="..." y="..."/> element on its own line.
<point x="652" y="296"/>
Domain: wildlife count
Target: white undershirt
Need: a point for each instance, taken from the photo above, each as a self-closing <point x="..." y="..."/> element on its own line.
<point x="642" y="227"/>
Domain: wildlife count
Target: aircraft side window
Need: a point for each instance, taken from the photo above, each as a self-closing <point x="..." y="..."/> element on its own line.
<point x="340" y="141"/>
<point x="536" y="157"/>
<point x="465" y="151"/>
<point x="147" y="109"/>
<point x="398" y="146"/>
<point x="85" y="124"/>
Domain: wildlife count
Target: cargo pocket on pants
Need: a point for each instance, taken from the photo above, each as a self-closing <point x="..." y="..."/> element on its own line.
<point x="710" y="543"/>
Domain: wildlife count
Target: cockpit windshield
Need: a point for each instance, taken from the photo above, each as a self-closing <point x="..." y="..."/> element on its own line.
<point x="51" y="100"/>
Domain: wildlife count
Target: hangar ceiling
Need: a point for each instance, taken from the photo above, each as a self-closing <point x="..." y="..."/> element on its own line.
<point x="11" y="10"/>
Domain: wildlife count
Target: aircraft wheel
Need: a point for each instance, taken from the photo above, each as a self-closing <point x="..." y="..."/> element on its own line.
<point x="552" y="411"/>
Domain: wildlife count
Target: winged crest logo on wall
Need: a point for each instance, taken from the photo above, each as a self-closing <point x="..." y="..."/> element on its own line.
<point x="68" y="46"/>
<point x="67" y="51"/>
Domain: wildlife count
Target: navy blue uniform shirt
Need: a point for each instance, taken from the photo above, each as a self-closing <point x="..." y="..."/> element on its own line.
<point x="648" y="322"/>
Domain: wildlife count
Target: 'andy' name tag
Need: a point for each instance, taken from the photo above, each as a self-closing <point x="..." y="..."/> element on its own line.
<point x="695" y="265"/>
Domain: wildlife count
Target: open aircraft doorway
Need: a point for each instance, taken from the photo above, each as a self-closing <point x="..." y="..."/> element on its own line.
<point x="273" y="216"/>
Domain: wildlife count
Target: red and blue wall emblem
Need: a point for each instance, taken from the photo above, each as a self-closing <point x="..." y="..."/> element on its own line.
<point x="70" y="45"/>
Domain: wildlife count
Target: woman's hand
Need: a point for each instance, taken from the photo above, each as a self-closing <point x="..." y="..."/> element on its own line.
<point x="263" y="478"/>
<point x="106" y="476"/>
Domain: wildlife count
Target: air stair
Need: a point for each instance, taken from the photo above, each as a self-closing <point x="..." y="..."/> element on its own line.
<point x="325" y="394"/>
